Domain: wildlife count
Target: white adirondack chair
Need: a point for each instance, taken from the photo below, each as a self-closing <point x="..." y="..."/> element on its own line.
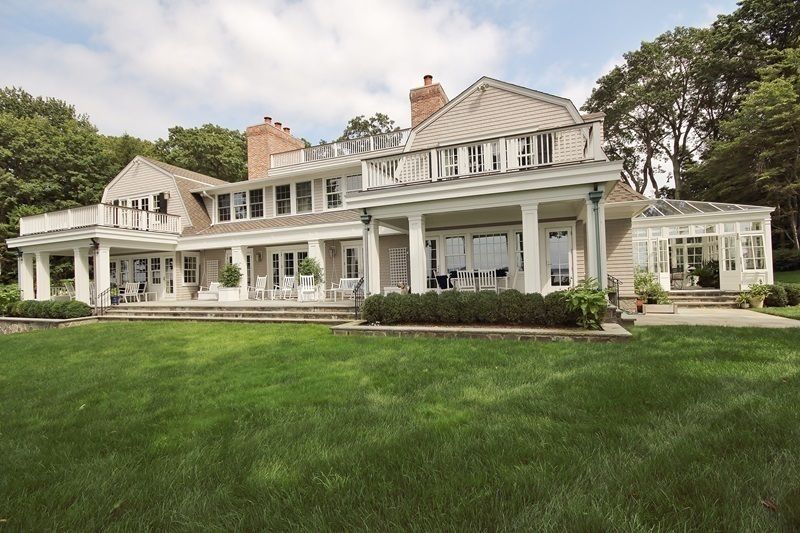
<point x="287" y="288"/>
<point x="487" y="280"/>
<point x="260" y="287"/>
<point x="307" y="289"/>
<point x="465" y="281"/>
<point x="209" y="293"/>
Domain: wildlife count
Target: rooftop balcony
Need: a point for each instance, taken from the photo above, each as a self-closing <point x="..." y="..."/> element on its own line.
<point x="105" y="215"/>
<point x="514" y="153"/>
<point x="363" y="145"/>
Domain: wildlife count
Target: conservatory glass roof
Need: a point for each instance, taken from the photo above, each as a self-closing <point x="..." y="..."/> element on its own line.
<point x="664" y="207"/>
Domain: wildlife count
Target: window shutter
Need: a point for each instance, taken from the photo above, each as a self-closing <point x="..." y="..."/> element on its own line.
<point x="162" y="203"/>
<point x="115" y="202"/>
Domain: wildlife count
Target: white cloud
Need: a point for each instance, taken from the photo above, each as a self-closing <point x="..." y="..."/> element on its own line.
<point x="311" y="64"/>
<point x="577" y="88"/>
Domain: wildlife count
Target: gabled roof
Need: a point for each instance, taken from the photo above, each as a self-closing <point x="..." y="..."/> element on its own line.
<point x="665" y="207"/>
<point x="184" y="173"/>
<point x="282" y="222"/>
<point x="622" y="192"/>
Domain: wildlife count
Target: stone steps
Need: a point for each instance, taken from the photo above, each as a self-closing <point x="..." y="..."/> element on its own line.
<point x="316" y="314"/>
<point x="695" y="299"/>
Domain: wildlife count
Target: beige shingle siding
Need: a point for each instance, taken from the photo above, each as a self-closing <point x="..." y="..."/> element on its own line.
<point x="141" y="179"/>
<point x="492" y="112"/>
<point x="269" y="205"/>
<point x="619" y="249"/>
<point x="318" y="195"/>
<point x="580" y="250"/>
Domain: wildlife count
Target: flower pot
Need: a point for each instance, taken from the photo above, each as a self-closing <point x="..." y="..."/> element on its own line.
<point x="115" y="300"/>
<point x="229" y="294"/>
<point x="639" y="305"/>
<point x="757" y="303"/>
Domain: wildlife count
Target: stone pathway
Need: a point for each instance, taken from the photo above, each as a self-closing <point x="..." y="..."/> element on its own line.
<point x="736" y="318"/>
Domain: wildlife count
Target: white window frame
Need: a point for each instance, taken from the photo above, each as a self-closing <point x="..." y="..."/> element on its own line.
<point x="310" y="196"/>
<point x="292" y="198"/>
<point x="152" y="200"/>
<point x="328" y="194"/>
<point x="196" y="257"/>
<point x="248" y="206"/>
<point x="355" y="245"/>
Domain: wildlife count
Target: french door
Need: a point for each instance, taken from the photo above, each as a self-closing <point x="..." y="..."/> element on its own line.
<point x="559" y="265"/>
<point x="285" y="263"/>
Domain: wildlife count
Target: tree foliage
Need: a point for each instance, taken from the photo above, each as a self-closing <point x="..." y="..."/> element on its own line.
<point x="213" y="150"/>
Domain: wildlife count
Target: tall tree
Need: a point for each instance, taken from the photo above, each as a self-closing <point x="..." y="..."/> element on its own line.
<point x="360" y="126"/>
<point x="209" y="149"/>
<point x="759" y="154"/>
<point x="121" y="150"/>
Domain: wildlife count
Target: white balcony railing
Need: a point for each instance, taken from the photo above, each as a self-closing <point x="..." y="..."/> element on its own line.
<point x="384" y="141"/>
<point x="544" y="148"/>
<point x="107" y="215"/>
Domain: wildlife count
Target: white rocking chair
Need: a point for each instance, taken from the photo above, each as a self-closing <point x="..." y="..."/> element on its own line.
<point x="487" y="280"/>
<point x="287" y="289"/>
<point x="307" y="290"/>
<point x="260" y="288"/>
<point x="129" y="292"/>
<point x="465" y="281"/>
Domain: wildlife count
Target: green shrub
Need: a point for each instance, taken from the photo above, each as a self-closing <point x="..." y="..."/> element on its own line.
<point x="786" y="259"/>
<point x="230" y="275"/>
<point x="372" y="309"/>
<point x="408" y="307"/>
<point x="450" y="307"/>
<point x="792" y="293"/>
<point x="511" y="307"/>
<point x="647" y="288"/>
<point x="428" y="311"/>
<point x="589" y="302"/>
<point x="49" y="309"/>
<point x="311" y="267"/>
<point x="393" y="308"/>
<point x="9" y="294"/>
<point x="534" y="312"/>
<point x="777" y="297"/>
<point x="487" y="307"/>
<point x="708" y="274"/>
<point x="557" y="310"/>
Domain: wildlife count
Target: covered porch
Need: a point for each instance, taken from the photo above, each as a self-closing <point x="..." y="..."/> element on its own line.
<point x="704" y="245"/>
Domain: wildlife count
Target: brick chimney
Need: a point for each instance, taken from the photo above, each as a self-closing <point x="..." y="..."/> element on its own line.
<point x="264" y="140"/>
<point x="426" y="100"/>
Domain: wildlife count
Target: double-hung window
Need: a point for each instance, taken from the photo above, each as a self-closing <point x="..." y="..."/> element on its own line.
<point x="303" y="198"/>
<point x="240" y="205"/>
<point x="455" y="253"/>
<point x="432" y="260"/>
<point x="449" y="158"/>
<point x="333" y="193"/>
<point x="257" y="203"/>
<point x="190" y="270"/>
<point x="155" y="270"/>
<point x="753" y="252"/>
<point x="519" y="252"/>
<point x="490" y="251"/>
<point x="283" y="199"/>
<point x="223" y="207"/>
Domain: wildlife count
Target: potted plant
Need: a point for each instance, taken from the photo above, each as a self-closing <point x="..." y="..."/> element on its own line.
<point x="743" y="300"/>
<point x="114" y="294"/>
<point x="311" y="267"/>
<point x="756" y="295"/>
<point x="230" y="276"/>
<point x="650" y="295"/>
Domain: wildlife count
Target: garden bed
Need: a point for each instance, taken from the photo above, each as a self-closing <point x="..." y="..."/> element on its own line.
<point x="611" y="332"/>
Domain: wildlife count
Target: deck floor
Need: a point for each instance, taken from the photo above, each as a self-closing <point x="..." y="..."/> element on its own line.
<point x="242" y="303"/>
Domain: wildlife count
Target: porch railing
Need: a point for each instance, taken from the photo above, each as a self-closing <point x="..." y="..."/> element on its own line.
<point x="103" y="301"/>
<point x="100" y="215"/>
<point x="363" y="145"/>
<point x="613" y="289"/>
<point x="358" y="298"/>
<point x="524" y="151"/>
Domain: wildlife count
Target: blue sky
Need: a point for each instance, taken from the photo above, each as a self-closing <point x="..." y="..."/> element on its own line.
<point x="143" y="66"/>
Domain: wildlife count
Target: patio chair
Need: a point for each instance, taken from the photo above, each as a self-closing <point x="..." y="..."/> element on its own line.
<point x="345" y="287"/>
<point x="487" y="280"/>
<point x="129" y="292"/>
<point x="70" y="288"/>
<point x="307" y="289"/>
<point x="209" y="293"/>
<point x="287" y="288"/>
<point x="260" y="287"/>
<point x="465" y="281"/>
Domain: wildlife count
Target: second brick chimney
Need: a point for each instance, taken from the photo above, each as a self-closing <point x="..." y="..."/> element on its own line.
<point x="266" y="139"/>
<point x="426" y="100"/>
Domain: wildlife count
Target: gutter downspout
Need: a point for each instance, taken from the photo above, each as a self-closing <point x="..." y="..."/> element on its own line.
<point x="595" y="197"/>
<point x="366" y="219"/>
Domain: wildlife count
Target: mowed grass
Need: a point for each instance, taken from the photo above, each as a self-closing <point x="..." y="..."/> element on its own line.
<point x="791" y="276"/>
<point x="225" y="427"/>
<point x="786" y="312"/>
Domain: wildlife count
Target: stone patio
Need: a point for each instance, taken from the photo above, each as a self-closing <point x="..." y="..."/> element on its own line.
<point x="735" y="318"/>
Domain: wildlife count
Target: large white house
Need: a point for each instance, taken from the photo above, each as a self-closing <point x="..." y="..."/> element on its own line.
<point x="500" y="178"/>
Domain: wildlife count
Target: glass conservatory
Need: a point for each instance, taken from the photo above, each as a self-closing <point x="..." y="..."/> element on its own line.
<point x="679" y="239"/>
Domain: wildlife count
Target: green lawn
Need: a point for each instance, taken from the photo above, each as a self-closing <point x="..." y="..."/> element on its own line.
<point x="792" y="276"/>
<point x="787" y="312"/>
<point x="236" y="426"/>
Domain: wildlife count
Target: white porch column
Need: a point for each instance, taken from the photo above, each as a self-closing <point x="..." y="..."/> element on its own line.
<point x="416" y="254"/>
<point x="591" y="241"/>
<point x="238" y="257"/>
<point x="82" y="290"/>
<point x="530" y="247"/>
<point x="602" y="278"/>
<point x="102" y="269"/>
<point x="26" y="275"/>
<point x="596" y="237"/>
<point x="374" y="260"/>
<point x="768" y="250"/>
<point x="316" y="250"/>
<point x="42" y="276"/>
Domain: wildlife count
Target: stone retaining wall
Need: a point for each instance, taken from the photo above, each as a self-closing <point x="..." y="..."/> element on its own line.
<point x="23" y="325"/>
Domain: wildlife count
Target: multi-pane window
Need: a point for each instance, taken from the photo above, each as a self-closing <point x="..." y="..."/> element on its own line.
<point x="640" y="256"/>
<point x="283" y="199"/>
<point x="140" y="270"/>
<point x="333" y="193"/>
<point x="300" y="257"/>
<point x="455" y="253"/>
<point x="112" y="271"/>
<point x="352" y="262"/>
<point x="123" y="271"/>
<point x="168" y="271"/>
<point x="750" y="226"/>
<point x="276" y="269"/>
<point x="288" y="264"/>
<point x="525" y="152"/>
<point x="303" y="197"/>
<point x="519" y="251"/>
<point x="544" y="148"/>
<point x="240" y="205"/>
<point x="190" y="270"/>
<point x="449" y="158"/>
<point x="490" y="251"/>
<point x="475" y="158"/>
<point x="223" y="207"/>
<point x="432" y="262"/>
<point x="155" y="270"/>
<point x="753" y="252"/>
<point x="729" y="246"/>
<point x="694" y="252"/>
<point x="256" y="203"/>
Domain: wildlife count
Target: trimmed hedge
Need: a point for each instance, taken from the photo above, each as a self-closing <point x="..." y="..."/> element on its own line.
<point x="48" y="309"/>
<point x="786" y="259"/>
<point x="453" y="307"/>
<point x="792" y="292"/>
